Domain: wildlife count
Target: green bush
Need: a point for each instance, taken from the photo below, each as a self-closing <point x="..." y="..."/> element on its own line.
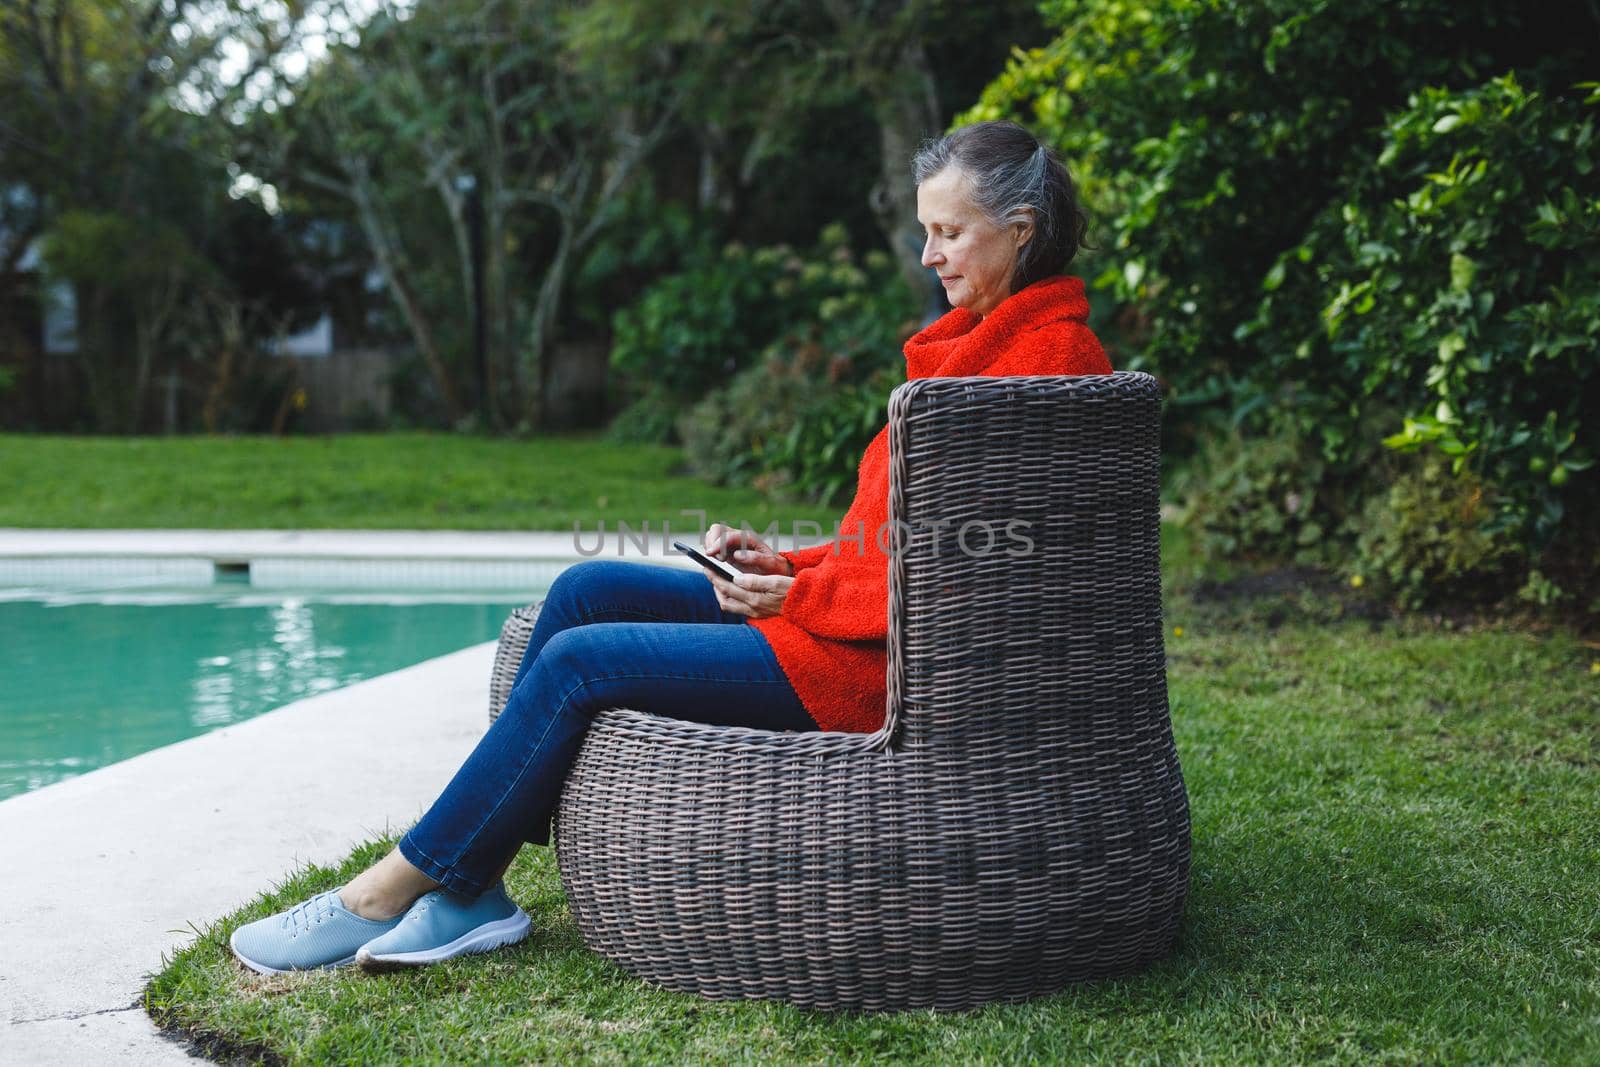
<point x="1412" y="530"/>
<point x="702" y="322"/>
<point x="1431" y="537"/>
<point x="1317" y="211"/>
<point x="1208" y="134"/>
<point x="1257" y="498"/>
<point x="1459" y="280"/>
<point x="797" y="422"/>
<point x="648" y="419"/>
<point x="693" y="331"/>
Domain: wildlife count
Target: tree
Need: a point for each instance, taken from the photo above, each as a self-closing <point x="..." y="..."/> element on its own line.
<point x="758" y="73"/>
<point x="110" y="129"/>
<point x="493" y="97"/>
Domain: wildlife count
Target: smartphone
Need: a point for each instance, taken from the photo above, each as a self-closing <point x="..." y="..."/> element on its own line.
<point x="727" y="570"/>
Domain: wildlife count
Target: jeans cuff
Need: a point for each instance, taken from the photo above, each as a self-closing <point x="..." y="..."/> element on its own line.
<point x="452" y="880"/>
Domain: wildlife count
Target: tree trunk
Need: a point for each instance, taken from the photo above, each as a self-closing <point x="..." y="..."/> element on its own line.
<point x="144" y="342"/>
<point x="389" y="266"/>
<point x="502" y="377"/>
<point x="906" y="106"/>
<point x="97" y="357"/>
<point x="545" y="310"/>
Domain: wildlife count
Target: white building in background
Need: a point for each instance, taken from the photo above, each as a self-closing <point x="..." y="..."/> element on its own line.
<point x="58" y="306"/>
<point x="59" y="314"/>
<point x="314" y="342"/>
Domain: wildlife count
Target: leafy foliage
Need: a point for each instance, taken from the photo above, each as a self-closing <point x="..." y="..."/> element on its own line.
<point x="1258" y="498"/>
<point x="692" y="332"/>
<point x="1318" y="211"/>
<point x="797" y="421"/>
<point x="1431" y="538"/>
<point x="127" y="192"/>
<point x="1180" y="116"/>
<point x="1459" y="278"/>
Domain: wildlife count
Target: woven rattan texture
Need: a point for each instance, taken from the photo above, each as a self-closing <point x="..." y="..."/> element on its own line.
<point x="1020" y="823"/>
<point x="514" y="637"/>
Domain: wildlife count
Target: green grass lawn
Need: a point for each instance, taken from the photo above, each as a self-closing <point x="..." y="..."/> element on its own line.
<point x="1396" y="856"/>
<point x="409" y="481"/>
<point x="1396" y="860"/>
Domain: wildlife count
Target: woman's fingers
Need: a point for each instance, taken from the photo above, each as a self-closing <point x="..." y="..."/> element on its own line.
<point x="730" y="596"/>
<point x="760" y="562"/>
<point x="720" y="537"/>
<point x="716" y="537"/>
<point x="756" y="596"/>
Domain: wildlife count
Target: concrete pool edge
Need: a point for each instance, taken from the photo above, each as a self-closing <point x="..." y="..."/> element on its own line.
<point x="356" y="559"/>
<point x="652" y="545"/>
<point x="125" y="857"/>
<point x="229" y="545"/>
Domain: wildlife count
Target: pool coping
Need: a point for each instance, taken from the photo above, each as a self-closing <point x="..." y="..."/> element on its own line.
<point x="355" y="559"/>
<point x="242" y="546"/>
<point x="99" y="906"/>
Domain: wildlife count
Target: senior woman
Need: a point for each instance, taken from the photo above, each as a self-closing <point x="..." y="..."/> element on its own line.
<point x="797" y="642"/>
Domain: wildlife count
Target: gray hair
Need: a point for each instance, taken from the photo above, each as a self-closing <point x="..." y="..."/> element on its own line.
<point x="1013" y="178"/>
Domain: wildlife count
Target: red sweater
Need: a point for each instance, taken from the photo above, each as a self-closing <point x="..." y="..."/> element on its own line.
<point x="832" y="638"/>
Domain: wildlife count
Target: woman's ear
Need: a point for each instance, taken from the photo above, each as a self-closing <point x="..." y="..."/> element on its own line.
<point x="1024" y="228"/>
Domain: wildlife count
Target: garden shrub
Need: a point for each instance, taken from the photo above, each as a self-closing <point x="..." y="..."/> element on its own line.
<point x="1431" y="538"/>
<point x="701" y="322"/>
<point x="1256" y="498"/>
<point x="648" y="419"/>
<point x="1313" y="211"/>
<point x="796" y="423"/>
<point x="693" y="331"/>
<point x="1460" y="280"/>
<point x="1208" y="134"/>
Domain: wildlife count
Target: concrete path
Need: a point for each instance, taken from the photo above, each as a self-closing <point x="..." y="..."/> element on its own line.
<point x="101" y="874"/>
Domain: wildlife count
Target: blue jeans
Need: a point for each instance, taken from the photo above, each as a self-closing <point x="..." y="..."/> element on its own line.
<point x="610" y="635"/>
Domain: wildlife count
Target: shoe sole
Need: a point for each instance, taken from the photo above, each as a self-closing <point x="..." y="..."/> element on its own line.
<point x="262" y="968"/>
<point x="492" y="935"/>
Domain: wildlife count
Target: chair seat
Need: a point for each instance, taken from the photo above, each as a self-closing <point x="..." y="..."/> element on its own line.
<point x="824" y="871"/>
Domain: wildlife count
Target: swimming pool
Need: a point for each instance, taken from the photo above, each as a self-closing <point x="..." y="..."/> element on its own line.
<point x="92" y="676"/>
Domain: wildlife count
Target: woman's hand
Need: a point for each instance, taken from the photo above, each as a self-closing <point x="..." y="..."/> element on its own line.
<point x="745" y="551"/>
<point x="758" y="593"/>
<point x="755" y="596"/>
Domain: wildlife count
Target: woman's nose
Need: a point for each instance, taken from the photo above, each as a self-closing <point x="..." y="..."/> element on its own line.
<point x="929" y="256"/>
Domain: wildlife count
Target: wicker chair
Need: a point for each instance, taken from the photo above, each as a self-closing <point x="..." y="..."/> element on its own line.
<point x="1020" y="821"/>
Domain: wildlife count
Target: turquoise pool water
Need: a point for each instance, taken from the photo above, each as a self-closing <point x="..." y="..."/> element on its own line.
<point x="88" y="678"/>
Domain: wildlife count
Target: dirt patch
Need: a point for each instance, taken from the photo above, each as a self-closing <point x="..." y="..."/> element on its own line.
<point x="1284" y="582"/>
<point x="204" y="1045"/>
<point x="1276" y="596"/>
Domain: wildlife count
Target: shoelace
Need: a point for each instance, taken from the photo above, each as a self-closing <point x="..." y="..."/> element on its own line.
<point x="308" y="913"/>
<point x="423" y="904"/>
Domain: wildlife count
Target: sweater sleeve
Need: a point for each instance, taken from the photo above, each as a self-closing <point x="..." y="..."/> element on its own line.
<point x="845" y="598"/>
<point x="841" y="588"/>
<point x="805" y="558"/>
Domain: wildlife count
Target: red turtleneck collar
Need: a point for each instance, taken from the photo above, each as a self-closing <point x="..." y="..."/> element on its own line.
<point x="961" y="344"/>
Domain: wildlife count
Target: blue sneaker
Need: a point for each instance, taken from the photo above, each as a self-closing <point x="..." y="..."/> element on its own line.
<point x="320" y="932"/>
<point x="442" y="925"/>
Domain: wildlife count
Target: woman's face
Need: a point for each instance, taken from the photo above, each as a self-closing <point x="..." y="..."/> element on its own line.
<point x="975" y="259"/>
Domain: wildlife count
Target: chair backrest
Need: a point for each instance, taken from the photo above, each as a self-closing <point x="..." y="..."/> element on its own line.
<point x="1025" y="569"/>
